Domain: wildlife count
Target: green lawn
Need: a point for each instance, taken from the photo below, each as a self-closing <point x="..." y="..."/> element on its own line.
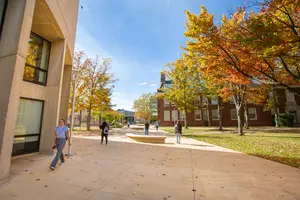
<point x="280" y="147"/>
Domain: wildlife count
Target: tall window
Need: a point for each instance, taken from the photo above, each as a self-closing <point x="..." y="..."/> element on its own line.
<point x="205" y="114"/>
<point x="3" y="4"/>
<point x="252" y="114"/>
<point x="166" y="115"/>
<point x="214" y="114"/>
<point x="166" y="102"/>
<point x="197" y="114"/>
<point x="175" y="115"/>
<point x="214" y="101"/>
<point x="233" y="114"/>
<point x="197" y="101"/>
<point x="27" y="132"/>
<point x="37" y="60"/>
<point x="290" y="96"/>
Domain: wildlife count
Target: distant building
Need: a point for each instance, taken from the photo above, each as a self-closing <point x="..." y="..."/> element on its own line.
<point x="168" y="113"/>
<point x="128" y="115"/>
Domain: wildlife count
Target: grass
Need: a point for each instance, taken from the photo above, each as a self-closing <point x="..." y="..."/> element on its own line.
<point x="280" y="147"/>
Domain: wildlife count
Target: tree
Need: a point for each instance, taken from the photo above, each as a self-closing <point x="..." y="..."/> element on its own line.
<point x="95" y="84"/>
<point x="146" y="106"/>
<point x="185" y="87"/>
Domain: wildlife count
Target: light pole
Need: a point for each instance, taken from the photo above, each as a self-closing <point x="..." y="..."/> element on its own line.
<point x="73" y="110"/>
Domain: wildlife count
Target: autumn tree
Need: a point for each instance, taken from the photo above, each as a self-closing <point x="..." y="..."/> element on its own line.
<point x="146" y="106"/>
<point x="186" y="85"/>
<point x="95" y="84"/>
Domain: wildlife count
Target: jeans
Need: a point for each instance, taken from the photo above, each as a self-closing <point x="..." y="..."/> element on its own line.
<point x="106" y="138"/>
<point x="178" y="137"/>
<point x="146" y="131"/>
<point x="60" y="144"/>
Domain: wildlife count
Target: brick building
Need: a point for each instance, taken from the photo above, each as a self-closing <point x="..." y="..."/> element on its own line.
<point x="168" y="113"/>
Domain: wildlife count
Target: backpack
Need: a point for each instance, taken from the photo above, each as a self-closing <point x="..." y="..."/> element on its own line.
<point x="105" y="130"/>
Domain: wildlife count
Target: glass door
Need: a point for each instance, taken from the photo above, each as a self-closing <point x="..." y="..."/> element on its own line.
<point x="28" y="127"/>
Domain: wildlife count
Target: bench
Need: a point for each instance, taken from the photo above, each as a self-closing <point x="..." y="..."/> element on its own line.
<point x="147" y="138"/>
<point x="137" y="128"/>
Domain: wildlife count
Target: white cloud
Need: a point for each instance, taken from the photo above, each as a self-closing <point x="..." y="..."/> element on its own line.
<point x="153" y="85"/>
<point x="144" y="83"/>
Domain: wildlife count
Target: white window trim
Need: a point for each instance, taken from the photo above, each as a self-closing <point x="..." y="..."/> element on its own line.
<point x="231" y="115"/>
<point x="255" y="114"/>
<point x="212" y="115"/>
<point x="200" y="115"/>
<point x="169" y="116"/>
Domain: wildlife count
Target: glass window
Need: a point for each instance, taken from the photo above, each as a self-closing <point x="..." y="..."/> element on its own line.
<point x="197" y="114"/>
<point x="233" y="114"/>
<point x="214" y="114"/>
<point x="27" y="132"/>
<point x="290" y="96"/>
<point x="204" y="99"/>
<point x="197" y="101"/>
<point x="181" y="115"/>
<point x="252" y="113"/>
<point x="166" y="102"/>
<point x="3" y="4"/>
<point x="166" y="115"/>
<point x="205" y="114"/>
<point x="37" y="60"/>
<point x="214" y="101"/>
<point x="175" y="115"/>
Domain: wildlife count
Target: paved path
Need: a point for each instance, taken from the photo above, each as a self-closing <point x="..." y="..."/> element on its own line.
<point x="126" y="170"/>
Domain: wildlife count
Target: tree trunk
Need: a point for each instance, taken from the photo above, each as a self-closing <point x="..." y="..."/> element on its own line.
<point x="220" y="114"/>
<point x="275" y="107"/>
<point x="88" y="126"/>
<point x="185" y="120"/>
<point x="208" y="113"/>
<point x="246" y="120"/>
<point x="80" y="120"/>
<point x="239" y="118"/>
<point x="100" y="119"/>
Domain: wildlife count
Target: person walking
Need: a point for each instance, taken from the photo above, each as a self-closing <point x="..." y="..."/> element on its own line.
<point x="61" y="135"/>
<point x="104" y="133"/>
<point x="157" y="125"/>
<point x="178" y="131"/>
<point x="147" y="125"/>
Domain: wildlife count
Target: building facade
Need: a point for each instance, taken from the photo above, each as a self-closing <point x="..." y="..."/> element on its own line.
<point x="288" y="102"/>
<point x="128" y="115"/>
<point x="36" y="50"/>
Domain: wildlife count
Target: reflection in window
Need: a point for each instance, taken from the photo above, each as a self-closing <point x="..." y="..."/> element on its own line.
<point x="252" y="114"/>
<point x="214" y="114"/>
<point x="37" y="60"/>
<point x="197" y="114"/>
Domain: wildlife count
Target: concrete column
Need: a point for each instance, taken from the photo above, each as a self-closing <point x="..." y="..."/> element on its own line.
<point x="53" y="94"/>
<point x="63" y="114"/>
<point x="13" y="49"/>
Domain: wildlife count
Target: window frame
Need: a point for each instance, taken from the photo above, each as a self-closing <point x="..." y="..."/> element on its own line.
<point x="3" y="17"/>
<point x="255" y="114"/>
<point x="36" y="68"/>
<point x="169" y="115"/>
<point x="41" y="124"/>
<point x="212" y="116"/>
<point x="214" y="101"/>
<point x="200" y="115"/>
<point x="231" y="114"/>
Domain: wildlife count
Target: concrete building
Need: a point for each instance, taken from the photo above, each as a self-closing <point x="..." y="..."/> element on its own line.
<point x="36" y="50"/>
<point x="168" y="113"/>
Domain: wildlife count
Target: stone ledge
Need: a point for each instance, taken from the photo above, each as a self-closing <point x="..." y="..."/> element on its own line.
<point x="147" y="138"/>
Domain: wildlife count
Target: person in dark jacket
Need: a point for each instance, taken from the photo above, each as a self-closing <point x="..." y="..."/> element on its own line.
<point x="104" y="132"/>
<point x="178" y="131"/>
<point x="147" y="125"/>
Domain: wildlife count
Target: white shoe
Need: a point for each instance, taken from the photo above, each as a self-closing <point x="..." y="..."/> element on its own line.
<point x="61" y="164"/>
<point x="53" y="168"/>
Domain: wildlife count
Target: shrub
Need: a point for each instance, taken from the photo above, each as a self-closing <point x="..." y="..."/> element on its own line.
<point x="286" y="120"/>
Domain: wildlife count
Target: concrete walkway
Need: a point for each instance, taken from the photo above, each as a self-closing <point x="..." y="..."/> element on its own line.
<point x="126" y="170"/>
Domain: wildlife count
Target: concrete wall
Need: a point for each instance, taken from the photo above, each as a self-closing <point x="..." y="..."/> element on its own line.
<point x="54" y="20"/>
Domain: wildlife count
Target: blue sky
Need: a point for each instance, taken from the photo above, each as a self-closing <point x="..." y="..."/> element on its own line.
<point x="140" y="36"/>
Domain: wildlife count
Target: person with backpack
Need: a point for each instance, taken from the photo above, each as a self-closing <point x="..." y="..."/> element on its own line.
<point x="178" y="131"/>
<point x="104" y="133"/>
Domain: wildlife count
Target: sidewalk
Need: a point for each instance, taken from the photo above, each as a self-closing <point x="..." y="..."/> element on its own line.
<point x="126" y="170"/>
